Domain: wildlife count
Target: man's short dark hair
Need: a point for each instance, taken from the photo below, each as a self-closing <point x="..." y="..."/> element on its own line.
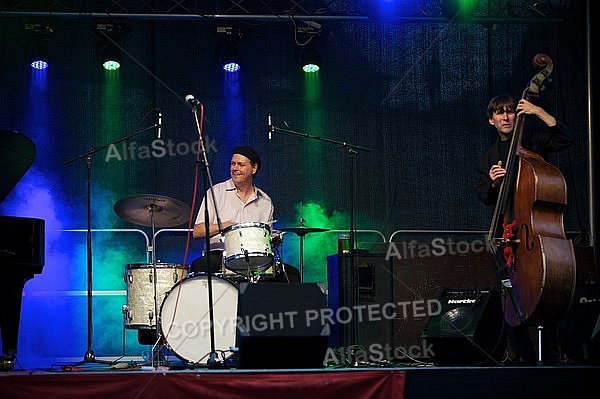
<point x="499" y="104"/>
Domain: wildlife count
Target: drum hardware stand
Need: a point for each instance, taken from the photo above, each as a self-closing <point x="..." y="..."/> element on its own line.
<point x="250" y="275"/>
<point x="301" y="231"/>
<point x="89" y="356"/>
<point x="207" y="180"/>
<point x="157" y="354"/>
<point x="302" y="224"/>
<point x="153" y="211"/>
<point x="125" y="311"/>
<point x="279" y="264"/>
<point x="158" y="358"/>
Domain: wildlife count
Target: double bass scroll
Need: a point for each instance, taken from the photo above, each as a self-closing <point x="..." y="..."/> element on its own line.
<point x="534" y="258"/>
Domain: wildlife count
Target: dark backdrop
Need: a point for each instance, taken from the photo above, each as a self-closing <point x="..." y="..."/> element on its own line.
<point x="413" y="93"/>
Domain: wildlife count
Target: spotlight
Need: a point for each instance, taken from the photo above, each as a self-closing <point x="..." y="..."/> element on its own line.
<point x="228" y="58"/>
<point x="309" y="59"/>
<point x="37" y="55"/>
<point x="107" y="50"/>
<point x="226" y="53"/>
<point x="36" y="50"/>
<point x="384" y="10"/>
<point x="460" y="10"/>
<point x="110" y="55"/>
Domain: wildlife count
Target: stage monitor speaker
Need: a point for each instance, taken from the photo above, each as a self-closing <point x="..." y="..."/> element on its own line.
<point x="356" y="285"/>
<point x="468" y="330"/>
<point x="280" y="326"/>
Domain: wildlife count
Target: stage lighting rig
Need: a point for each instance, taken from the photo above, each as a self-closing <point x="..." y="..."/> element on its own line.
<point x="108" y="49"/>
<point x="36" y="44"/>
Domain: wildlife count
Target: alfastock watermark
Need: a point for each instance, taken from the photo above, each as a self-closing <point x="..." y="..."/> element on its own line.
<point x="437" y="247"/>
<point x="129" y="150"/>
<point x="376" y="353"/>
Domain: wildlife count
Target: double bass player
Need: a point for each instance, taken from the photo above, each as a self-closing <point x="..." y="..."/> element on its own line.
<point x="543" y="134"/>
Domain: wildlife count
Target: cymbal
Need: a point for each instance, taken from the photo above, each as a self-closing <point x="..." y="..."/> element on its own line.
<point x="302" y="230"/>
<point x="139" y="209"/>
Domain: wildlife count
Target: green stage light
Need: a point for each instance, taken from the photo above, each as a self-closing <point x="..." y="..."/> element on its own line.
<point x="310" y="60"/>
<point x="459" y="10"/>
<point x="110" y="56"/>
<point x="108" y="49"/>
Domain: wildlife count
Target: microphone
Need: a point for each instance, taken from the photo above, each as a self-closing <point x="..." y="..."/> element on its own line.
<point x="159" y="123"/>
<point x="193" y="101"/>
<point x="270" y="125"/>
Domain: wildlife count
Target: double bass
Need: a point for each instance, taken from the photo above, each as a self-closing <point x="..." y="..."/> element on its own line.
<point x="533" y="257"/>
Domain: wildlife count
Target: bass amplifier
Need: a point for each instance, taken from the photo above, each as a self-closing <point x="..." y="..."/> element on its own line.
<point x="467" y="330"/>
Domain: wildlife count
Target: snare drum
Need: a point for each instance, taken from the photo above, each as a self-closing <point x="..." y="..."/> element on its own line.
<point x="247" y="247"/>
<point x="267" y="274"/>
<point x="140" y="309"/>
<point x="185" y="321"/>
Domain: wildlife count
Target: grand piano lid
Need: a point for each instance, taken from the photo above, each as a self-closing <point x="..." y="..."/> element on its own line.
<point x="17" y="153"/>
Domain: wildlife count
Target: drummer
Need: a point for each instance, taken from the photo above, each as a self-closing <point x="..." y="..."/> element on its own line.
<point x="238" y="200"/>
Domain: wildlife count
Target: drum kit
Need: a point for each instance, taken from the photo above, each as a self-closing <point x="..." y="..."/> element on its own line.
<point x="168" y="304"/>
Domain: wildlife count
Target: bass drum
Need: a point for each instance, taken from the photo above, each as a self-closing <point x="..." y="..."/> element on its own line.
<point x="185" y="320"/>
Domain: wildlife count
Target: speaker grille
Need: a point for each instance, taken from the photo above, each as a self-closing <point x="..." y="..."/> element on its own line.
<point x="468" y="330"/>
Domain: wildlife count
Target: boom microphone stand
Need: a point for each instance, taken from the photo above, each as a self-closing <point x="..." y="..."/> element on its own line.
<point x="89" y="356"/>
<point x="352" y="151"/>
<point x="212" y="358"/>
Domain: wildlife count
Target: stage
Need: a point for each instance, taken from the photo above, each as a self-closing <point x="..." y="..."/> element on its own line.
<point x="285" y="360"/>
<point x="98" y="381"/>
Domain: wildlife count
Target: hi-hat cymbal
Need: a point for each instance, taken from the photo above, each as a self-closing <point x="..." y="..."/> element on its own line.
<point x="302" y="230"/>
<point x="140" y="209"/>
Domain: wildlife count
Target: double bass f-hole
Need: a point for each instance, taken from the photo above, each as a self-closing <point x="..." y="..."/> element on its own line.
<point x="529" y="243"/>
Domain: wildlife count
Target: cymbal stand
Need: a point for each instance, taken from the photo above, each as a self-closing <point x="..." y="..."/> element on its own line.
<point x="157" y="347"/>
<point x="301" y="237"/>
<point x="89" y="356"/>
<point x="279" y="265"/>
<point x="207" y="180"/>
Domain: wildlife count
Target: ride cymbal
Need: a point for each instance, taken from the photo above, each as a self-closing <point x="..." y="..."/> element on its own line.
<point x="141" y="209"/>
